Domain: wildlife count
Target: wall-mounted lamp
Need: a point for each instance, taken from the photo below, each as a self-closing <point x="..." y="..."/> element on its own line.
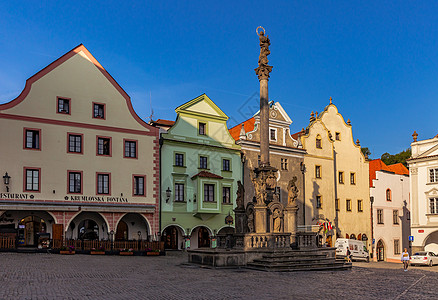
<point x="302" y="167"/>
<point x="168" y="194"/>
<point x="6" y="181"/>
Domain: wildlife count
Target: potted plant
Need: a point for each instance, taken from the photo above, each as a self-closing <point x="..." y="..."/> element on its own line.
<point x="98" y="251"/>
<point x="150" y="251"/>
<point x="67" y="250"/>
<point x="126" y="252"/>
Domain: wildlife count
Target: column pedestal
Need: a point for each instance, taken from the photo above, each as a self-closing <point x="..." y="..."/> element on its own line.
<point x="260" y="214"/>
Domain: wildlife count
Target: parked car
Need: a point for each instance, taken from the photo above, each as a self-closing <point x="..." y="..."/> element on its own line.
<point x="424" y="258"/>
<point x="357" y="248"/>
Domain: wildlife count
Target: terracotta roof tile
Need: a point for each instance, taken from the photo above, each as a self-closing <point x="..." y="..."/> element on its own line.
<point x="207" y="175"/>
<point x="248" y="126"/>
<point x="399" y="169"/>
<point x="379" y="165"/>
<point x="164" y="122"/>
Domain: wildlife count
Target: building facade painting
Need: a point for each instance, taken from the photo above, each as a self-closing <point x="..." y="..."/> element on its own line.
<point x="423" y="169"/>
<point x="82" y="164"/>
<point x="200" y="167"/>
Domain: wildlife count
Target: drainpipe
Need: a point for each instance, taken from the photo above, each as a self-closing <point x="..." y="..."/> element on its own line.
<point x="159" y="185"/>
<point x="303" y="170"/>
<point x="372" y="229"/>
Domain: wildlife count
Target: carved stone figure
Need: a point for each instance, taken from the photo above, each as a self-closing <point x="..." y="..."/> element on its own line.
<point x="276" y="220"/>
<point x="259" y="187"/>
<point x="264" y="48"/>
<point x="250" y="217"/>
<point x="240" y="195"/>
<point x="292" y="191"/>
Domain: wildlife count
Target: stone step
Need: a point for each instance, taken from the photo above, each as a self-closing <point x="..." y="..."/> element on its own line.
<point x="292" y="260"/>
<point x="295" y="263"/>
<point x="332" y="267"/>
<point x="295" y="255"/>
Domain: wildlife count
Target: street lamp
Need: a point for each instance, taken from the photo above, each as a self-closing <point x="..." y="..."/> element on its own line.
<point x="168" y="193"/>
<point x="6" y="181"/>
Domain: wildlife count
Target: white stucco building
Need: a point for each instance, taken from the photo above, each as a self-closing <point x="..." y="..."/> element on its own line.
<point x="389" y="190"/>
<point x="423" y="167"/>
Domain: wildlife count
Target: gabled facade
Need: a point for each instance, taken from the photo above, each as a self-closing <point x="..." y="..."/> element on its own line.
<point x="337" y="188"/>
<point x="286" y="153"/>
<point x="200" y="165"/>
<point x="82" y="164"/>
<point x="389" y="190"/>
<point x="423" y="168"/>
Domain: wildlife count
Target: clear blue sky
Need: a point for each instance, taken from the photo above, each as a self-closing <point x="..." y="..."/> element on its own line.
<point x="377" y="59"/>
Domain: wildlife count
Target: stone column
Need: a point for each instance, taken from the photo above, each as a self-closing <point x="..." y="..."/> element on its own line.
<point x="264" y="122"/>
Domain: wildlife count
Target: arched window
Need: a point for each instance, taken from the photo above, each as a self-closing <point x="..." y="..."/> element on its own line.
<point x="388" y="195"/>
<point x="318" y="142"/>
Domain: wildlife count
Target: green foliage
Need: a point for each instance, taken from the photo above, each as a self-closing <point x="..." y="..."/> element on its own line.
<point x="401" y="157"/>
<point x="366" y="152"/>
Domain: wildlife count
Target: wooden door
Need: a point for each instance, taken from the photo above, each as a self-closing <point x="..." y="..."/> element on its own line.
<point x="57" y="231"/>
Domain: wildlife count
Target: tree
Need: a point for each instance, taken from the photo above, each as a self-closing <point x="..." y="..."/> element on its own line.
<point x="401" y="157"/>
<point x="366" y="152"/>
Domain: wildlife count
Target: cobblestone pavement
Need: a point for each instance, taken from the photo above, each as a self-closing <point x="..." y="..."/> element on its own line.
<point x="50" y="276"/>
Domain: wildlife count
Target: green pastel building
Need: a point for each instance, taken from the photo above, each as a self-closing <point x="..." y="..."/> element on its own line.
<point x="200" y="167"/>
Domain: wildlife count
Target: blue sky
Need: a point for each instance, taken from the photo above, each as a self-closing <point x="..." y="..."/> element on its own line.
<point x="377" y="59"/>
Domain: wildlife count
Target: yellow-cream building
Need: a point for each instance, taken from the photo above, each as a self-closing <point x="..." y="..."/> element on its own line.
<point x="78" y="162"/>
<point x="336" y="179"/>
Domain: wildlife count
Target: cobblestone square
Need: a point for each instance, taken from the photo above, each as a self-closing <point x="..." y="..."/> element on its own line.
<point x="50" y="276"/>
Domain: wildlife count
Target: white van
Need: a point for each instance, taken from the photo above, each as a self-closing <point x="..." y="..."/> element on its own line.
<point x="357" y="248"/>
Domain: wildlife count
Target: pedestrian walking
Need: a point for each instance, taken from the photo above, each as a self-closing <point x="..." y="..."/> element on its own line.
<point x="405" y="259"/>
<point x="348" y="255"/>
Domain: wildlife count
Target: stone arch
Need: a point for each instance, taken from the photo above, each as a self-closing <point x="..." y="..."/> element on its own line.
<point x="173" y="236"/>
<point x="176" y="225"/>
<point x="276" y="217"/>
<point x="195" y="238"/>
<point x="135" y="229"/>
<point x="381" y="250"/>
<point x="430" y="243"/>
<point x="87" y="215"/>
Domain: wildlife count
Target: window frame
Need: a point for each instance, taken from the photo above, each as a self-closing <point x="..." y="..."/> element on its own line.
<point x="223" y="164"/>
<point x="208" y="192"/>
<point x="177" y="192"/>
<point x="273" y="130"/>
<point x="396" y="246"/>
<point x="433" y="200"/>
<point x="104" y="111"/>
<point x="57" y="105"/>
<point x="38" y="130"/>
<point x="182" y="159"/>
<point x="318" y="142"/>
<point x="229" y="195"/>
<point x="124" y="148"/>
<point x="348" y="205"/>
<point x="109" y="183"/>
<point x="318" y="201"/>
<point x="206" y="162"/>
<point x="359" y="205"/>
<point x="379" y="215"/>
<point x="283" y="164"/>
<point x="25" y="169"/>
<point x="352" y="178"/>
<point x="81" y="183"/>
<point x="341" y="177"/>
<point x="434" y="175"/>
<point x="110" y="145"/>
<point x="204" y="125"/>
<point x="318" y="171"/>
<point x="395" y="217"/>
<point x="337" y="204"/>
<point x="337" y="136"/>
<point x="388" y="195"/>
<point x="68" y="142"/>
<point x="134" y="177"/>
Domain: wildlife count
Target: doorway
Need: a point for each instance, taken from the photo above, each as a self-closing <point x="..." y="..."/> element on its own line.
<point x="171" y="238"/>
<point x="122" y="231"/>
<point x="203" y="238"/>
<point x="380" y="251"/>
<point x="29" y="229"/>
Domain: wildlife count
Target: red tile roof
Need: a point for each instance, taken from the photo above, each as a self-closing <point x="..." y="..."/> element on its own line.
<point x="164" y="122"/>
<point x="207" y="175"/>
<point x="248" y="126"/>
<point x="379" y="165"/>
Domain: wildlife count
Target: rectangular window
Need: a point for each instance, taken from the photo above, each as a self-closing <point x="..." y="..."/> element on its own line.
<point x="179" y="192"/>
<point x="395" y="217"/>
<point x="352" y="178"/>
<point x="226" y="193"/>
<point x="225" y="165"/>
<point x="284" y="164"/>
<point x="433" y="175"/>
<point x="317" y="171"/>
<point x="74" y="143"/>
<point x="337" y="205"/>
<point x="98" y="110"/>
<point x="32" y="180"/>
<point x="380" y="216"/>
<point x="138" y="185"/>
<point x="433" y="205"/>
<point x="203" y="162"/>
<point x="338" y="136"/>
<point x="318" y="202"/>
<point x="131" y="149"/>
<point x="396" y="247"/>
<point x="359" y="205"/>
<point x="63" y="106"/>
<point x="273" y="134"/>
<point x="103" y="184"/>
<point x="32" y="139"/>
<point x="341" y="177"/>
<point x="74" y="182"/>
<point x="209" y="192"/>
<point x="202" y="127"/>
<point x="348" y="205"/>
<point x="179" y="159"/>
<point x="318" y="143"/>
<point x="103" y="146"/>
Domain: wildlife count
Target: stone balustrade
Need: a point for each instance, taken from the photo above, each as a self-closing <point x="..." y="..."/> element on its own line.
<point x="266" y="240"/>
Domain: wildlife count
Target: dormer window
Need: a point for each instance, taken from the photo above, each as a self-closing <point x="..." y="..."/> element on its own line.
<point x="202" y="129"/>
<point x="98" y="110"/>
<point x="318" y="142"/>
<point x="63" y="106"/>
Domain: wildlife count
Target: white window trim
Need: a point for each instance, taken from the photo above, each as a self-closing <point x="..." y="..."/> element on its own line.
<point x="276" y="137"/>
